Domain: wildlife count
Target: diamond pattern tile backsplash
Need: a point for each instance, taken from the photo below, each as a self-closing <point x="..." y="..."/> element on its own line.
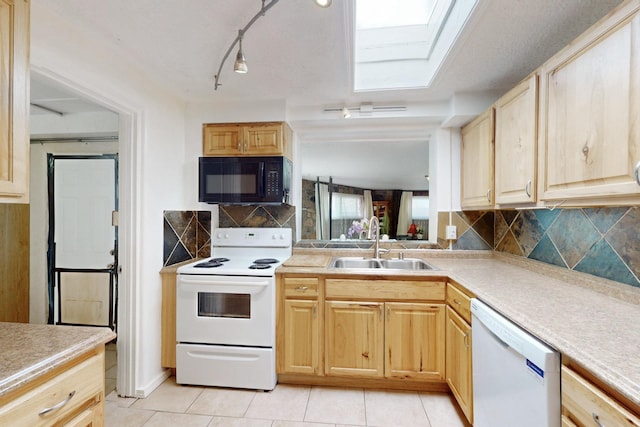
<point x="604" y="242"/>
<point x="187" y="235"/>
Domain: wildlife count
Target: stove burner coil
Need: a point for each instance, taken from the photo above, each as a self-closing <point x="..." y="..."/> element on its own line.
<point x="218" y="260"/>
<point x="265" y="261"/>
<point x="208" y="264"/>
<point x="259" y="266"/>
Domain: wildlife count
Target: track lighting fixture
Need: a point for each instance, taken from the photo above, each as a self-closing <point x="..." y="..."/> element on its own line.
<point x="240" y="64"/>
<point x="345" y="113"/>
<point x="365" y="109"/>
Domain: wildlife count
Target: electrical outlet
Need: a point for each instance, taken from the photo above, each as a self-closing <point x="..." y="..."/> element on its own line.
<point x="451" y="232"/>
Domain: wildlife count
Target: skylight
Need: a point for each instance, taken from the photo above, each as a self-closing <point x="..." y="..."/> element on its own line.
<point x="395" y="41"/>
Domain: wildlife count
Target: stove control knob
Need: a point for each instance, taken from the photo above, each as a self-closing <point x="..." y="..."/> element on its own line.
<point x="219" y="236"/>
<point x="282" y="237"/>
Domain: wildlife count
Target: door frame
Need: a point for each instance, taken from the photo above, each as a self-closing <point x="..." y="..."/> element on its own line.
<point x="53" y="272"/>
<point x="130" y="136"/>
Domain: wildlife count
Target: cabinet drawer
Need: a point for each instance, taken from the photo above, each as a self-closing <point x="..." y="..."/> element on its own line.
<point x="387" y="290"/>
<point x="459" y="301"/>
<point x="85" y="380"/>
<point x="301" y="287"/>
<point x="584" y="402"/>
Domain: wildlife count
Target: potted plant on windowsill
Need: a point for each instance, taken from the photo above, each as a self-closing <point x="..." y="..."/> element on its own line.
<point x="420" y="233"/>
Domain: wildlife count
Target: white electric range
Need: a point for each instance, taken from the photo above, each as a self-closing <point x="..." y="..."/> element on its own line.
<point x="225" y="310"/>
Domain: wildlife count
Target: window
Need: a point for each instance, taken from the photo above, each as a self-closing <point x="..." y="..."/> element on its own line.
<point x="420" y="207"/>
<point x="347" y="206"/>
<point x="395" y="42"/>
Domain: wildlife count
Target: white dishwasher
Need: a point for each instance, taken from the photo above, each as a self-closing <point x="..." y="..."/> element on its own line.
<point x="516" y="378"/>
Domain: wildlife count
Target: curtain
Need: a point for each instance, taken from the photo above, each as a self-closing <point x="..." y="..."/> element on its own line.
<point x="368" y="204"/>
<point x="405" y="214"/>
<point x="322" y="211"/>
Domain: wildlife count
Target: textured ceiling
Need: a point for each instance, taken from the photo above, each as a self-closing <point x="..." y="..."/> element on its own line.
<point x="301" y="53"/>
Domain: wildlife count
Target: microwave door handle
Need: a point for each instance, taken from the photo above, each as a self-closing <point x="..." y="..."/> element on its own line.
<point x="261" y="178"/>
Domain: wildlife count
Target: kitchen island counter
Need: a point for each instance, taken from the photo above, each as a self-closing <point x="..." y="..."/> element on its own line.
<point x="29" y="352"/>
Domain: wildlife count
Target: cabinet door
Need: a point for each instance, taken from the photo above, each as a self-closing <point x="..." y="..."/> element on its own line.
<point x="414" y="337"/>
<point x="14" y="87"/>
<point x="477" y="162"/>
<point x="301" y="349"/>
<point x="354" y="339"/>
<point x="590" y="104"/>
<point x="168" y="320"/>
<point x="515" y="143"/>
<point x="222" y="140"/>
<point x="459" y="373"/>
<point x="90" y="417"/>
<point x="264" y="140"/>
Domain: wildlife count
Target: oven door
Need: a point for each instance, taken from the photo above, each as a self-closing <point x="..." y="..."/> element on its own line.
<point x="226" y="310"/>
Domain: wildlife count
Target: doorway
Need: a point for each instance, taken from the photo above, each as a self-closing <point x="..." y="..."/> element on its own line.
<point x="82" y="254"/>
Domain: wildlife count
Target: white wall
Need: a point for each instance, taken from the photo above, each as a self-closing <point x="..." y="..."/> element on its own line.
<point x="156" y="157"/>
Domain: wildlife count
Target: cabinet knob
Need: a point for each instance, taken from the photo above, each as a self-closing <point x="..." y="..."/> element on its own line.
<point x="489" y="195"/>
<point x="527" y="188"/>
<point x="596" y="418"/>
<point x="302" y="288"/>
<point x="637" y="173"/>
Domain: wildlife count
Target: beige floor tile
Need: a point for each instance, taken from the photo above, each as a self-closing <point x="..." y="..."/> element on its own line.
<point x="441" y="410"/>
<point x="222" y="401"/>
<point x="123" y="402"/>
<point x="238" y="422"/>
<point x="336" y="405"/>
<point x="170" y="419"/>
<point x="394" y="408"/>
<point x="285" y="402"/>
<point x="280" y="423"/>
<point x="169" y="397"/>
<point x="115" y="415"/>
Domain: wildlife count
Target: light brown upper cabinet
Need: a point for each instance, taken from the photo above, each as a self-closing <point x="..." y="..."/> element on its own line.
<point x="515" y="143"/>
<point x="477" y="162"/>
<point x="246" y="139"/>
<point x="14" y="102"/>
<point x="590" y="114"/>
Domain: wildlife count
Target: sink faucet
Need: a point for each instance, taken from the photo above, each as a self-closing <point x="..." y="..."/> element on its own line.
<point x="376" y="248"/>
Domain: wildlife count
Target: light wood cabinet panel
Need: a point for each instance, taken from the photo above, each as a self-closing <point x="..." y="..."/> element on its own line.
<point x="583" y="402"/>
<point x="414" y="341"/>
<point x="81" y="386"/>
<point x="516" y="134"/>
<point x="458" y="361"/>
<point x="590" y="109"/>
<point x="14" y="102"/>
<point x="90" y="417"/>
<point x="387" y="290"/>
<point x="14" y="262"/>
<point x="354" y="339"/>
<point x="459" y="301"/>
<point x="477" y="162"/>
<point x="168" y="320"/>
<point x="301" y="345"/>
<point x="247" y="139"/>
<point x="301" y="287"/>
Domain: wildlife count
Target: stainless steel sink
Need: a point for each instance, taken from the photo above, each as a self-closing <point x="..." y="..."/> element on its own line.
<point x="390" y="264"/>
<point x="355" y="263"/>
<point x="405" y="264"/>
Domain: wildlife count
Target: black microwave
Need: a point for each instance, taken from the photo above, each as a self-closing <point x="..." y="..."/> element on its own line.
<point x="244" y="180"/>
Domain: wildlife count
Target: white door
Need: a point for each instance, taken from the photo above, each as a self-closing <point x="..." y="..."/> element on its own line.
<point x="84" y="237"/>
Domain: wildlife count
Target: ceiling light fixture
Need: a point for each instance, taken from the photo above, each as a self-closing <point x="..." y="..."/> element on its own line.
<point x="365" y="109"/>
<point x="240" y="65"/>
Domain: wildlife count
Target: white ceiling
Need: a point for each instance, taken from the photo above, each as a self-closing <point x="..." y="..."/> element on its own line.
<point x="302" y="53"/>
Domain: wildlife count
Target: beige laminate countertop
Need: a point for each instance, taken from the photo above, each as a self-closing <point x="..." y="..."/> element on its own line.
<point x="592" y="321"/>
<point x="28" y="351"/>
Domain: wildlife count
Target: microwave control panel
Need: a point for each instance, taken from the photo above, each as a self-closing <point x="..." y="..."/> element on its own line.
<point x="273" y="183"/>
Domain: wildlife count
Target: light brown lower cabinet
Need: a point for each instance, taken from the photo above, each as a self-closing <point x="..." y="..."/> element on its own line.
<point x="458" y="361"/>
<point x="301" y="328"/>
<point x="72" y="396"/>
<point x="585" y="404"/>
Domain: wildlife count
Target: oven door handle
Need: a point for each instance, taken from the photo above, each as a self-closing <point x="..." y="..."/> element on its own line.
<point x="224" y="287"/>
